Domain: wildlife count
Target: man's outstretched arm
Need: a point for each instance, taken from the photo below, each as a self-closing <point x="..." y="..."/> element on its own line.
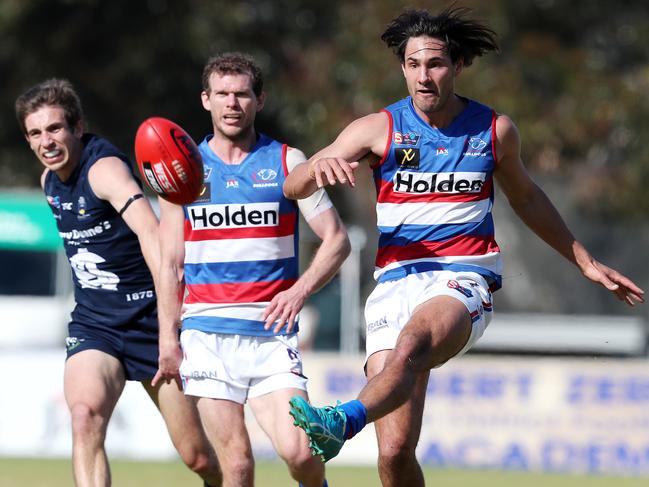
<point x="537" y="211"/>
<point x="337" y="162"/>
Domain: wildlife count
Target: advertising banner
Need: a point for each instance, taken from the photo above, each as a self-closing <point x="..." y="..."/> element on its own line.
<point x="531" y="414"/>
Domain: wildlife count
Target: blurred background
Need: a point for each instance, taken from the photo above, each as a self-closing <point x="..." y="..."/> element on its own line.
<point x="573" y="75"/>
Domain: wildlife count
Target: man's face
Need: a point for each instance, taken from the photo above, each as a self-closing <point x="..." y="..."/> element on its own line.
<point x="430" y="74"/>
<point x="55" y="143"/>
<point x="232" y="103"/>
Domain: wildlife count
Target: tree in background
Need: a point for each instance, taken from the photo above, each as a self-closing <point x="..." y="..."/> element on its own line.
<point x="573" y="74"/>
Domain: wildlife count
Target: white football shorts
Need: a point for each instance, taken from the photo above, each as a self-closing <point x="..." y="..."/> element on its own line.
<point x="236" y="367"/>
<point x="392" y="303"/>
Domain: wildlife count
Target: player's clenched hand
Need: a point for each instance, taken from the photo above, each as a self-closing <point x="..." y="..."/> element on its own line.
<point x="623" y="287"/>
<point x="331" y="170"/>
<point x="168" y="363"/>
<point x="283" y="309"/>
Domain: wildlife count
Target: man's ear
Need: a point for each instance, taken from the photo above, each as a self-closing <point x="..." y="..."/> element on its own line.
<point x="261" y="99"/>
<point x="78" y="129"/>
<point x="205" y="100"/>
<point x="458" y="66"/>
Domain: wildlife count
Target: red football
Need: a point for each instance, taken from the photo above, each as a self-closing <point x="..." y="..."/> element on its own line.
<point x="169" y="160"/>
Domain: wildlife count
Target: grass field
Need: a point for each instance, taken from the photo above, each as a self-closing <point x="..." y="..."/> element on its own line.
<point x="56" y="473"/>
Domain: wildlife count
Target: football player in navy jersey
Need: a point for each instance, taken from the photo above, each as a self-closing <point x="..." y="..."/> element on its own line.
<point x="110" y="234"/>
<point x="234" y="252"/>
<point x="435" y="156"/>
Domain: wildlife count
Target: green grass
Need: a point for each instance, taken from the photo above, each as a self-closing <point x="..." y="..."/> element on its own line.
<point x="57" y="473"/>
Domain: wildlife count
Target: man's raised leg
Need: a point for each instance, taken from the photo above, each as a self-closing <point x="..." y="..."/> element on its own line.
<point x="436" y="332"/>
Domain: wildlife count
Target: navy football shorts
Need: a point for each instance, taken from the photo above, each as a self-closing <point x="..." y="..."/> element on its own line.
<point x="134" y="344"/>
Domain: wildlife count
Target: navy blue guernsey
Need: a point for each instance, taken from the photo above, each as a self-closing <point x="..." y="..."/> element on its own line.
<point x="113" y="285"/>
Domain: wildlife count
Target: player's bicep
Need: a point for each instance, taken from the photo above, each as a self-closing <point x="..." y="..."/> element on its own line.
<point x="363" y="136"/>
<point x="111" y="180"/>
<point x="511" y="174"/>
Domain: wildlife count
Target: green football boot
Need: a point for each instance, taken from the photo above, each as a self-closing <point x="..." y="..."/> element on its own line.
<point x="325" y="426"/>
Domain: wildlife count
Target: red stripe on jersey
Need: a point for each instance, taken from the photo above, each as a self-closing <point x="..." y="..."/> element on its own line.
<point x="386" y="194"/>
<point x="458" y="246"/>
<point x="494" y="139"/>
<point x="286" y="227"/>
<point x="238" y="292"/>
<point x="386" y="151"/>
<point x="284" y="166"/>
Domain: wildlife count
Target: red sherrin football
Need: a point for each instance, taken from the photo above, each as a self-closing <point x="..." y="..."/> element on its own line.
<point x="169" y="160"/>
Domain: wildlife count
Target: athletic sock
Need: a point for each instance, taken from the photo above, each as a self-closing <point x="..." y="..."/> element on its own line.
<point x="323" y="485"/>
<point x="356" y="417"/>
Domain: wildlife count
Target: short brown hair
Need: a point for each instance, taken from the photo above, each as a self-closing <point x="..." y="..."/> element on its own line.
<point x="237" y="63"/>
<point x="56" y="92"/>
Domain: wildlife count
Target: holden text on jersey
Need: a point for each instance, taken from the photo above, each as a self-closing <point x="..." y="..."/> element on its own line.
<point x="234" y="215"/>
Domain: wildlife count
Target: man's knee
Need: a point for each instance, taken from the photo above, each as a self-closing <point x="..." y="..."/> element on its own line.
<point x="405" y="359"/>
<point x="198" y="456"/>
<point x="86" y="422"/>
<point x="300" y="459"/>
<point x="395" y="454"/>
<point x="197" y="461"/>
<point x="422" y="351"/>
<point x="238" y="466"/>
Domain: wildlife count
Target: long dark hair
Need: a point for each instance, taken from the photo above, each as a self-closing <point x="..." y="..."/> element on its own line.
<point x="465" y="38"/>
